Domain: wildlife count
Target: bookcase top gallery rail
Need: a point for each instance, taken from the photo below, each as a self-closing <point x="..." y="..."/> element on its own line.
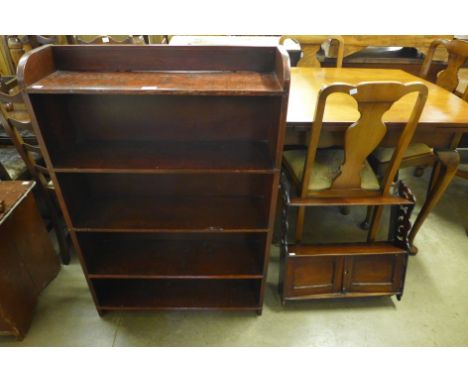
<point x="156" y="69"/>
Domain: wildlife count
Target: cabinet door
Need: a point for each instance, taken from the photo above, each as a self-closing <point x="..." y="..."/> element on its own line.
<point x="313" y="275"/>
<point x="374" y="273"/>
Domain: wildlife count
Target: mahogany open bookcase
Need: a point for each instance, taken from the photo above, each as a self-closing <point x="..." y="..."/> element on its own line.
<point x="166" y="161"/>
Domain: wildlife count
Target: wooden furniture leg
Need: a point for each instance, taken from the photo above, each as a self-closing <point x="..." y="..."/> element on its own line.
<point x="60" y="231"/>
<point x="365" y="225"/>
<point x="345" y="210"/>
<point x="443" y="173"/>
<point x="300" y="223"/>
<point x="375" y="223"/>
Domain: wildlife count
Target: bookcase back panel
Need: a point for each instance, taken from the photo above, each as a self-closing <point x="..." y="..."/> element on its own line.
<point x="163" y="255"/>
<point x="159" y="131"/>
<point x="138" y="117"/>
<point x="168" y="201"/>
<point x="168" y="294"/>
<point x="145" y="58"/>
<point x="148" y="185"/>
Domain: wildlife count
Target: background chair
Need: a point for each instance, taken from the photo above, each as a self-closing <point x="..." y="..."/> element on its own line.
<point x="106" y="39"/>
<point x="12" y="166"/>
<point x="420" y="155"/>
<point x="14" y="46"/>
<point x="342" y="176"/>
<point x="15" y="124"/>
<point x="310" y="46"/>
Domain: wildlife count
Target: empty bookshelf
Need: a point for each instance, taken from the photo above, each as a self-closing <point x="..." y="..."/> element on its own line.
<point x="166" y="162"/>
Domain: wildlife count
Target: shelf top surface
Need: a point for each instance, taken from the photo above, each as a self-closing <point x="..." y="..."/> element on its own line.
<point x="159" y="82"/>
<point x="11" y="195"/>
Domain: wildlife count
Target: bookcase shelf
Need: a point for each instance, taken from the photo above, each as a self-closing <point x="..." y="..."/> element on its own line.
<point x="177" y="294"/>
<point x="168" y="156"/>
<point x="178" y="213"/>
<point x="167" y="202"/>
<point x="166" y="163"/>
<point x="173" y="256"/>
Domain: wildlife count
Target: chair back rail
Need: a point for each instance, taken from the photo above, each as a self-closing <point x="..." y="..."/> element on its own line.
<point x="13" y="128"/>
<point x="457" y="56"/>
<point x="310" y="45"/>
<point x="104" y="40"/>
<point x="17" y="45"/>
<point x="448" y="78"/>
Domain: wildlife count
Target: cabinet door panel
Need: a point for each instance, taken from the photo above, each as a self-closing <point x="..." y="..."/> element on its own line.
<point x="374" y="273"/>
<point x="313" y="275"/>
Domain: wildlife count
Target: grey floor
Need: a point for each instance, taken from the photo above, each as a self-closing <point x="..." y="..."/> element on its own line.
<point x="433" y="311"/>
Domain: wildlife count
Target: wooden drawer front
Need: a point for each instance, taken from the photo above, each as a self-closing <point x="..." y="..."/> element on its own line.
<point x="313" y="275"/>
<point x="374" y="273"/>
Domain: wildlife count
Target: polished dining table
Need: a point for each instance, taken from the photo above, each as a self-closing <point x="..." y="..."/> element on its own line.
<point x="444" y="118"/>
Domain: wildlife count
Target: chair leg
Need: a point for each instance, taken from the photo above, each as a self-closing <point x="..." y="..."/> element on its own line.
<point x="345" y="210"/>
<point x="366" y="223"/>
<point x="60" y="232"/>
<point x="419" y="171"/>
<point x="443" y="173"/>
<point x="375" y="223"/>
<point x="300" y="224"/>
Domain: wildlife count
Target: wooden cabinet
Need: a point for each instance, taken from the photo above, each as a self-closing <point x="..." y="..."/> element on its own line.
<point x="27" y="259"/>
<point x="311" y="275"/>
<point x="374" y="273"/>
<point x="166" y="161"/>
<point x="345" y="270"/>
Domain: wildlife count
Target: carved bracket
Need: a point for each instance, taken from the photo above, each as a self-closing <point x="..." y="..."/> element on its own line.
<point x="284" y="213"/>
<point x="401" y="223"/>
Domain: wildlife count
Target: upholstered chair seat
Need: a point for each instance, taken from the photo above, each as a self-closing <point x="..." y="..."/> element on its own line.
<point x="384" y="154"/>
<point x="326" y="166"/>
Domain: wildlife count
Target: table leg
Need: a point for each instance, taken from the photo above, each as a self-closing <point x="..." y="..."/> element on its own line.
<point x="442" y="174"/>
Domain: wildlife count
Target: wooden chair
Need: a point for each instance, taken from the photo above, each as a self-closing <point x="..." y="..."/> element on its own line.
<point x="15" y="124"/>
<point x="12" y="166"/>
<point x="310" y="45"/>
<point x="323" y="176"/>
<point x="9" y="84"/>
<point x="106" y="39"/>
<point x="420" y="155"/>
<point x="340" y="177"/>
<point x="16" y="45"/>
